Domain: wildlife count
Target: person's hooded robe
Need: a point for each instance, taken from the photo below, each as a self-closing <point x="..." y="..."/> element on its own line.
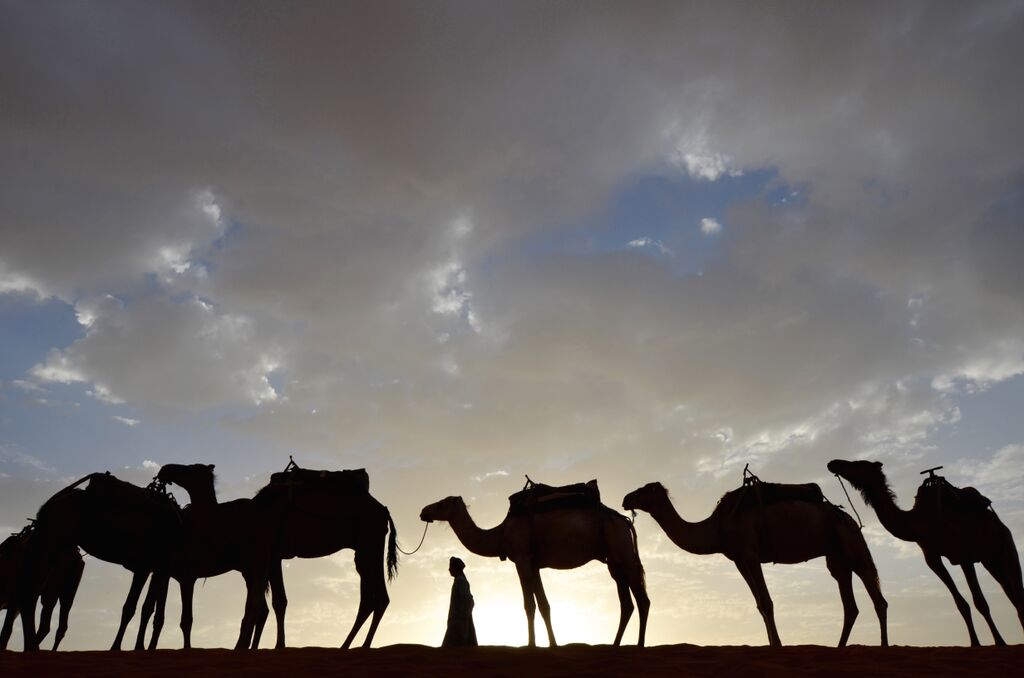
<point x="461" y="631"/>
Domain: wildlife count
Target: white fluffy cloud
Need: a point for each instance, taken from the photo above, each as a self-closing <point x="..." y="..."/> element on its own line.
<point x="710" y="226"/>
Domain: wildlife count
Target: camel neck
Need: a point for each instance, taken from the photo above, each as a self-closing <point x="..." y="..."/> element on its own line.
<point x="482" y="542"/>
<point x="898" y="522"/>
<point x="702" y="537"/>
<point x="202" y="497"/>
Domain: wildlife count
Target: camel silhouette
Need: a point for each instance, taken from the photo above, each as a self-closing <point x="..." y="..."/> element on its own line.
<point x="784" y="531"/>
<point x="301" y="513"/>
<point x="957" y="523"/>
<point x="218" y="538"/>
<point x="60" y="584"/>
<point x="135" y="527"/>
<point x="562" y="539"/>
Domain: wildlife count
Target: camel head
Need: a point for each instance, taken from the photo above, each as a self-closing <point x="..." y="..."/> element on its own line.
<point x="860" y="474"/>
<point x="442" y="510"/>
<point x="186" y="475"/>
<point x="645" y="497"/>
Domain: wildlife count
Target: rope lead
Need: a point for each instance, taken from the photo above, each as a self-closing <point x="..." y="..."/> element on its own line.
<point x="850" y="501"/>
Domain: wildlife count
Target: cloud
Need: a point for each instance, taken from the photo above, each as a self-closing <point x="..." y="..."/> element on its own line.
<point x="1001" y="477"/>
<point x="12" y="455"/>
<point x="640" y="243"/>
<point x="157" y="350"/>
<point x="13" y="282"/>
<point x="500" y="473"/>
<point x="709" y="226"/>
<point x="131" y="423"/>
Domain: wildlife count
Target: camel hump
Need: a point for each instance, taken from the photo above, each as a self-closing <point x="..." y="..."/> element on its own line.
<point x="539" y="498"/>
<point x="760" y="494"/>
<point x="349" y="481"/>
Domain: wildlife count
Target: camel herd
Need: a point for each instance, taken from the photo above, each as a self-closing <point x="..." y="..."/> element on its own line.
<point x="303" y="513"/>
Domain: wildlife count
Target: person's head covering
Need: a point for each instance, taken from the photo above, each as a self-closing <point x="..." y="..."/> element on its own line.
<point x="456" y="564"/>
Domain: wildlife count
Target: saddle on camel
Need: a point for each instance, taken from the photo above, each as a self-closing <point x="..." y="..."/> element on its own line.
<point x="294" y="477"/>
<point x="541" y="498"/>
<point x="755" y="493"/>
<point x="940" y="495"/>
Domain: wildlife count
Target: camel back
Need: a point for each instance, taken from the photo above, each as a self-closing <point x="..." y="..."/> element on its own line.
<point x="938" y="495"/>
<point x="106" y="490"/>
<point x="759" y="494"/>
<point x="540" y="498"/>
<point x="285" y="483"/>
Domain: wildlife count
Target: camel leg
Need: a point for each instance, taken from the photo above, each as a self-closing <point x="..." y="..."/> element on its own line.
<point x="49" y="602"/>
<point x="254" y="595"/>
<point x="935" y="563"/>
<point x="8" y="629"/>
<point x="158" y="615"/>
<point x="1006" y="571"/>
<point x="844" y="577"/>
<point x="362" y="614"/>
<point x="373" y="598"/>
<point x="148" y="605"/>
<point x="529" y="604"/>
<point x="625" y="605"/>
<point x="278" y="599"/>
<point x="869" y="576"/>
<point x="69" y="590"/>
<point x="26" y="608"/>
<point x="544" y="607"/>
<point x="262" y="614"/>
<point x="754" y="577"/>
<point x="980" y="604"/>
<point x="635" y="574"/>
<point x="130" y="603"/>
<point x="186" y="587"/>
<point x="380" y="601"/>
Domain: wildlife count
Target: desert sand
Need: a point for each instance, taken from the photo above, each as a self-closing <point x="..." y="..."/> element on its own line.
<point x="571" y="660"/>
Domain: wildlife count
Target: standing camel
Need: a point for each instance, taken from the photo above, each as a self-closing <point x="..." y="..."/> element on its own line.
<point x="966" y="531"/>
<point x="299" y="514"/>
<point x="114" y="521"/>
<point x="785" y="531"/>
<point x="219" y="538"/>
<point x="59" y="585"/>
<point x="562" y="539"/>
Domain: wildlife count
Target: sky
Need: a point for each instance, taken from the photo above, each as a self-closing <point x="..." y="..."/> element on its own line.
<point x="458" y="243"/>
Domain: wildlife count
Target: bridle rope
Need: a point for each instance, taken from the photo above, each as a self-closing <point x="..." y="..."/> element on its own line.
<point x="849" y="501"/>
<point x="409" y="553"/>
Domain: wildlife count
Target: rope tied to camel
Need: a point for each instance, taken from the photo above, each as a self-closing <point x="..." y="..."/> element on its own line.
<point x="849" y="501"/>
<point x="409" y="553"/>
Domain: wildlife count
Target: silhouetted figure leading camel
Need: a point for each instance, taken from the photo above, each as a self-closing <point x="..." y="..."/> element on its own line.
<point x="749" y="530"/>
<point x="114" y="521"/>
<point x="60" y="584"/>
<point x="562" y="538"/>
<point x="957" y="523"/>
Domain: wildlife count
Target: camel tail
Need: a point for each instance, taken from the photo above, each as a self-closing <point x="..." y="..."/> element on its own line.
<point x="636" y="552"/>
<point x="633" y="537"/>
<point x="392" y="560"/>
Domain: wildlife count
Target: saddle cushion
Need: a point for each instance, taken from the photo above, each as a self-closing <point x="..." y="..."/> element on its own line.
<point x="539" y="498"/>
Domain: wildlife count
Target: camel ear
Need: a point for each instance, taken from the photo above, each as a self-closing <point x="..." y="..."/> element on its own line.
<point x="210" y="466"/>
<point x="878" y="464"/>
